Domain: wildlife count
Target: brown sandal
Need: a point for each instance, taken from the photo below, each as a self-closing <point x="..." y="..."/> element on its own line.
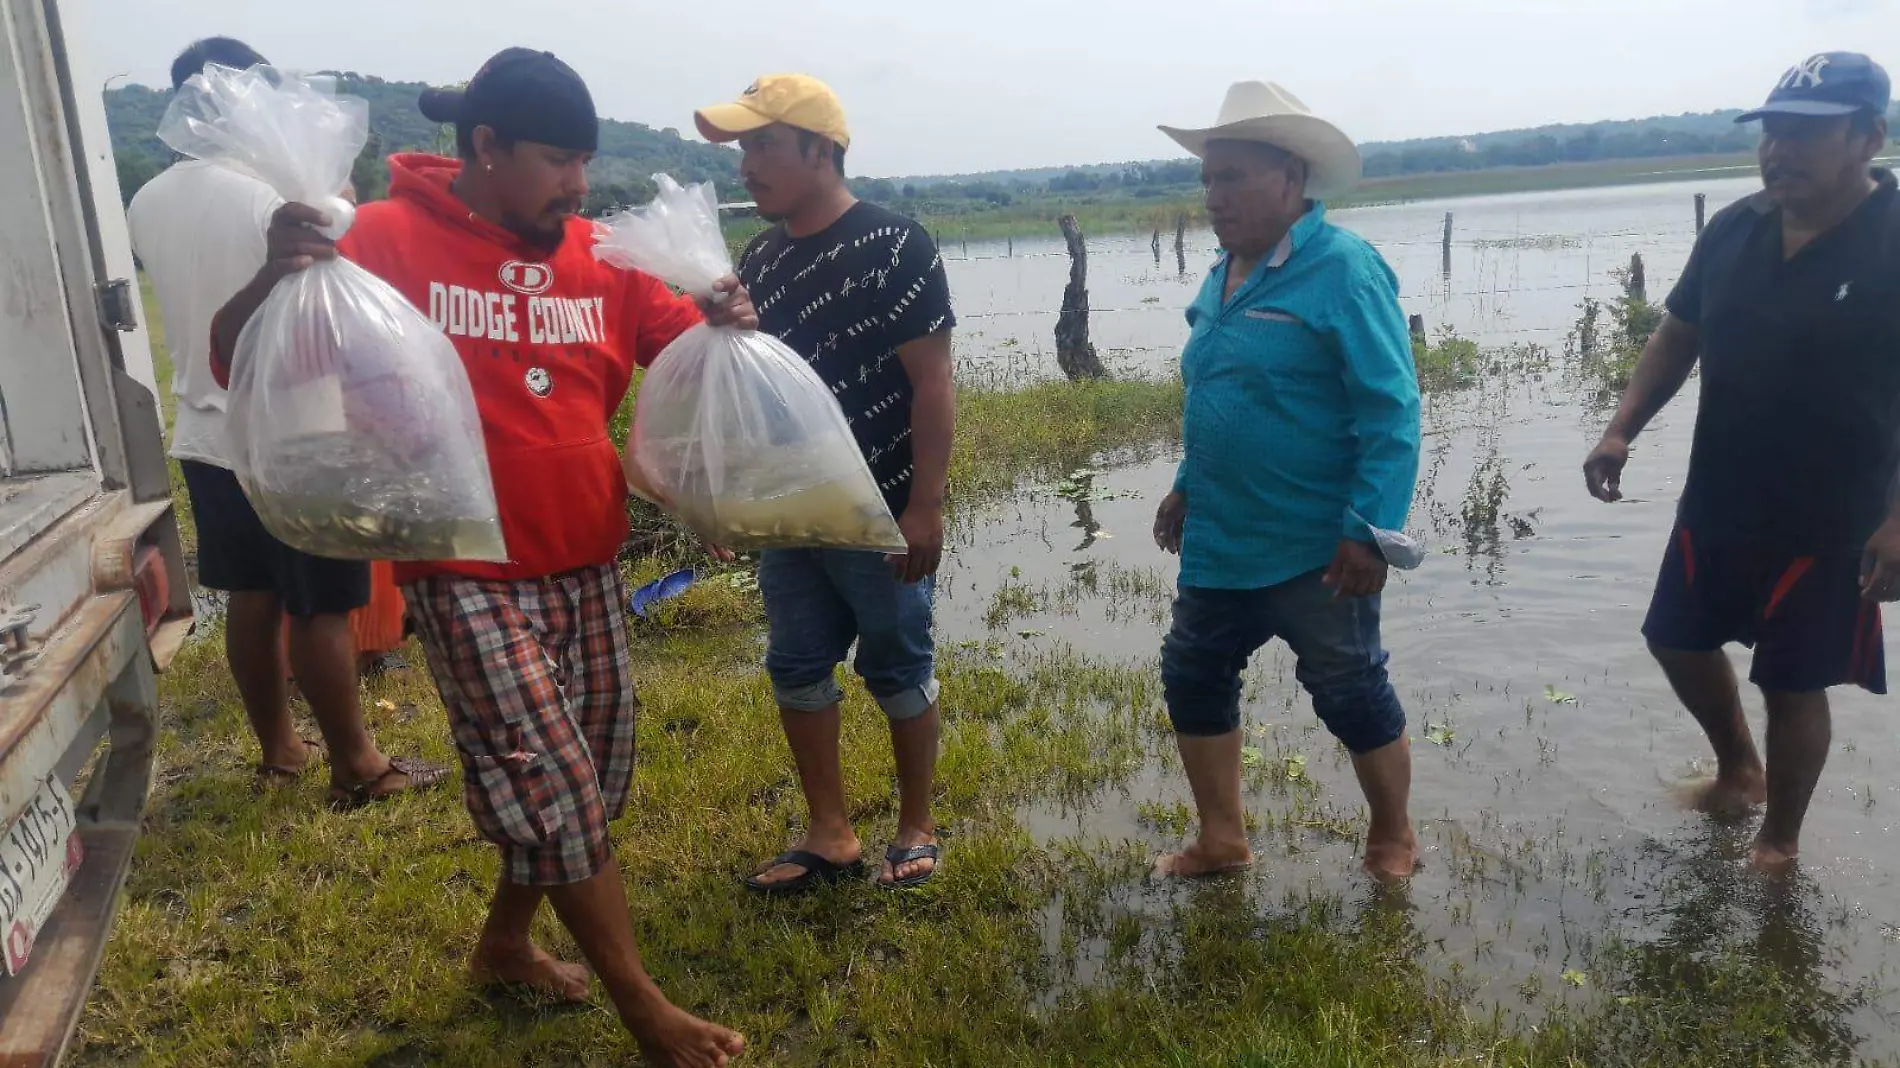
<point x="420" y="776"/>
<point x="275" y="776"/>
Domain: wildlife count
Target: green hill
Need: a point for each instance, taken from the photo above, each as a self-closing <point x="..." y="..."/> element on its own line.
<point x="629" y="152"/>
<point x="1662" y="137"/>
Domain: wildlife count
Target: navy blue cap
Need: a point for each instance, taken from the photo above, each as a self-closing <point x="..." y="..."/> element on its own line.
<point x="523" y="95"/>
<point x="1829" y="85"/>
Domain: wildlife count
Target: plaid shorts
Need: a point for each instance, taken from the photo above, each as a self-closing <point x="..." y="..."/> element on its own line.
<point x="538" y="683"/>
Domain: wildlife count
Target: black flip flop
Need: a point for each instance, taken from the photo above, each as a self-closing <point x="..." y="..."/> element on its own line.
<point x="898" y="856"/>
<point x="819" y="871"/>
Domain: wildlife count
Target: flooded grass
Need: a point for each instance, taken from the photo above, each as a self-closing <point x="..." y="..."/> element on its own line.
<point x="266" y="930"/>
<point x="1045" y="430"/>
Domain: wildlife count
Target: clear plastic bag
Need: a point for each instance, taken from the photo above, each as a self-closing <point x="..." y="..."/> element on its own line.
<point x="351" y="424"/>
<point x="732" y="430"/>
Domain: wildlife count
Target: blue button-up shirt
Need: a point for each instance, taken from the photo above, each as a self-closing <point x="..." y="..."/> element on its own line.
<point x="1301" y="424"/>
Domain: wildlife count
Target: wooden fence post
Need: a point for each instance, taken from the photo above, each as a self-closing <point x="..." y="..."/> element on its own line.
<point x="1637" y="288"/>
<point x="1075" y="353"/>
<point x="1180" y="241"/>
<point x="1447" y="244"/>
<point x="1417" y="324"/>
<point x="1701" y="209"/>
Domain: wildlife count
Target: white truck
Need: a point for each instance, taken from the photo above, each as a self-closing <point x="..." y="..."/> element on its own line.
<point x="93" y="594"/>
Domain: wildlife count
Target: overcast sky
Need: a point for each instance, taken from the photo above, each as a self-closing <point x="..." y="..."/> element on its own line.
<point x="938" y="87"/>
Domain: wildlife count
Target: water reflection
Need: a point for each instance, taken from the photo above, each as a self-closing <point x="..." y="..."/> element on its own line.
<point x="1722" y="957"/>
<point x="1559" y="871"/>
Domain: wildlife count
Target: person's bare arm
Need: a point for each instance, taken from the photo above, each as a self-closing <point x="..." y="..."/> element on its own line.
<point x="933" y="421"/>
<point x="1660" y="372"/>
<point x="292" y="246"/>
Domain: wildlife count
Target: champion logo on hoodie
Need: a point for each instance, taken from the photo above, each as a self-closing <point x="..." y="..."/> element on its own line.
<point x="528" y="279"/>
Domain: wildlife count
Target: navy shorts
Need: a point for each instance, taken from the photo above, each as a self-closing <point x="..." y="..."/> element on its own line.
<point x="1803" y="615"/>
<point x="1336" y="639"/>
<point x="237" y="555"/>
<point x="818" y="602"/>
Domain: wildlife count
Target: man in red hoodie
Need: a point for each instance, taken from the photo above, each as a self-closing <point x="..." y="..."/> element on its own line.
<point x="531" y="656"/>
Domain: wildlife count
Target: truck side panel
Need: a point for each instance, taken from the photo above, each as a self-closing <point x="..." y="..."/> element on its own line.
<point x="42" y="417"/>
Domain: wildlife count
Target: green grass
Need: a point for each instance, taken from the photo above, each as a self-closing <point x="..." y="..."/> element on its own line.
<point x="1044" y="431"/>
<point x="267" y="930"/>
<point x="168" y="410"/>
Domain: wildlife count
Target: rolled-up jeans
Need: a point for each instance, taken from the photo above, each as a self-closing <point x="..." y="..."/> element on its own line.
<point x="818" y="602"/>
<point x="1336" y="640"/>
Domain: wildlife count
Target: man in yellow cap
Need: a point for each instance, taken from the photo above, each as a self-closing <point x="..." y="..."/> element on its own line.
<point x="861" y="293"/>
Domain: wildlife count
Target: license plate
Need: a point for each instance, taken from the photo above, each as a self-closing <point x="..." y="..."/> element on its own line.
<point x="38" y="856"/>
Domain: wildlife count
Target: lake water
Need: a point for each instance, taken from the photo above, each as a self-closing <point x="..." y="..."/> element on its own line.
<point x="1546" y="740"/>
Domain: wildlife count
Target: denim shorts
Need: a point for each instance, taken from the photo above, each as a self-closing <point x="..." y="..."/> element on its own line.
<point x="1336" y="639"/>
<point x="818" y="602"/>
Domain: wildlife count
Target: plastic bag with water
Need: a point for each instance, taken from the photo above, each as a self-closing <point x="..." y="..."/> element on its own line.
<point x="351" y="424"/>
<point x="733" y="430"/>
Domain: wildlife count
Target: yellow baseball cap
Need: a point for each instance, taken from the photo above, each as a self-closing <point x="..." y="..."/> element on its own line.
<point x="797" y="100"/>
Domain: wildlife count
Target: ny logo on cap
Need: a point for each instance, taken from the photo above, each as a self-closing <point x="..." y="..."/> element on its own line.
<point x="1806" y="75"/>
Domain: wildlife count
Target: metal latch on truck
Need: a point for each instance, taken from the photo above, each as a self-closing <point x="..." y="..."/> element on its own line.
<point x="16" y="647"/>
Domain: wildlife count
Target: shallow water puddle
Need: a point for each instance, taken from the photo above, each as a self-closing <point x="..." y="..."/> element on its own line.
<point x="1558" y="868"/>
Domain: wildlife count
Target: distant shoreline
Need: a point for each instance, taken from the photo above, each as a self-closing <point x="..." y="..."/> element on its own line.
<point x="1114" y="214"/>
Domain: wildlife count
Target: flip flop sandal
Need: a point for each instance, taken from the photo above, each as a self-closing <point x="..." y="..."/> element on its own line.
<point x="819" y="871"/>
<point x="898" y="856"/>
<point x="358" y="794"/>
<point x="274" y="776"/>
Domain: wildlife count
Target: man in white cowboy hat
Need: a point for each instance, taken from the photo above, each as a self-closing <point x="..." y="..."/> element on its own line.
<point x="1301" y="438"/>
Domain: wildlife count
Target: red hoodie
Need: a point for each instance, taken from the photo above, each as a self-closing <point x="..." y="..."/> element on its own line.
<point x="550" y="342"/>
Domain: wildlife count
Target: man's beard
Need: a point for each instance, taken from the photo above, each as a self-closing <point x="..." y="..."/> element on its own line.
<point x="536" y="236"/>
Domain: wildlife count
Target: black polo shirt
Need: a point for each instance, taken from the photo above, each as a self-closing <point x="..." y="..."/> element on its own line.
<point x="1798" y="433"/>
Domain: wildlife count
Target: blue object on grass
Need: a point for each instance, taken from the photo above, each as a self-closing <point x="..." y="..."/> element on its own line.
<point x="661" y="589"/>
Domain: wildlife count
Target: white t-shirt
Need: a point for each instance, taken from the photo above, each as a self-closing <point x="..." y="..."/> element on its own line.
<point x="199" y="230"/>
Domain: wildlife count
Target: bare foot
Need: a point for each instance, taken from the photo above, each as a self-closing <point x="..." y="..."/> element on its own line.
<point x="1392" y="860"/>
<point x="674" y="1038"/>
<point x="1728" y="794"/>
<point x="533" y="969"/>
<point x="1202" y="860"/>
<point x="1774" y="859"/>
<point x="841" y="849"/>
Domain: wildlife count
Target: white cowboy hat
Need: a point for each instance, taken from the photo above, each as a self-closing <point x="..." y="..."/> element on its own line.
<point x="1264" y="112"/>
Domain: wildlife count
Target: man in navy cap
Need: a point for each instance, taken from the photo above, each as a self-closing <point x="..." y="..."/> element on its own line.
<point x="1787" y="536"/>
<point x="530" y="655"/>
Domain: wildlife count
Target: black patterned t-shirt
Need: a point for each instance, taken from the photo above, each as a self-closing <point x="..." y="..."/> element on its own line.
<point x="845" y="299"/>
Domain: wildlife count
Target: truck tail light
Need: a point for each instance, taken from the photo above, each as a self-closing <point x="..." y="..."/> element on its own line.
<point x="153" y="586"/>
